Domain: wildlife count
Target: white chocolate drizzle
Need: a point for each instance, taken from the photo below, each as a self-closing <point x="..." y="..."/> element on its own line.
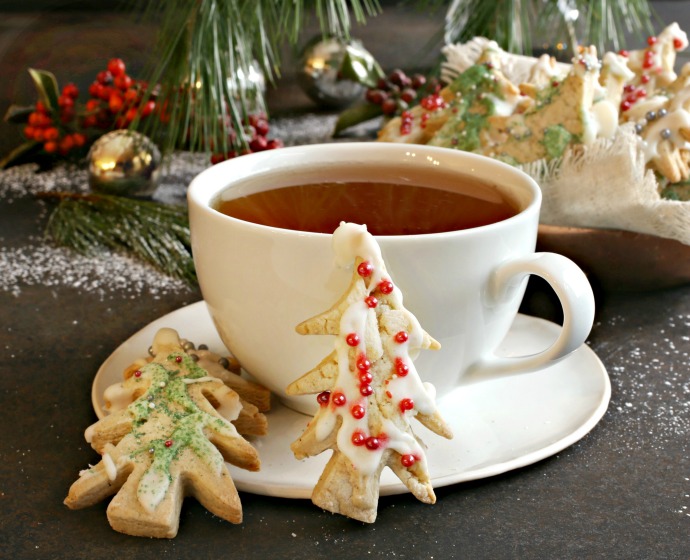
<point x="109" y="465"/>
<point x="349" y="242"/>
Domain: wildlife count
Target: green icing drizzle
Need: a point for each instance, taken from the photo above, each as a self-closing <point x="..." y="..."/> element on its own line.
<point x="556" y="140"/>
<point x="168" y="394"/>
<point x="475" y="88"/>
<point x="545" y="95"/>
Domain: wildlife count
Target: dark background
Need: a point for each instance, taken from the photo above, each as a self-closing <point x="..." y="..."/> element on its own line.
<point x="75" y="39"/>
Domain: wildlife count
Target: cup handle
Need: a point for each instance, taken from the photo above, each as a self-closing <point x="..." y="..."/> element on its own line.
<point x="573" y="291"/>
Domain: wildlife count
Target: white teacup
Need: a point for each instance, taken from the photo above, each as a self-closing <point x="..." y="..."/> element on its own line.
<point x="464" y="287"/>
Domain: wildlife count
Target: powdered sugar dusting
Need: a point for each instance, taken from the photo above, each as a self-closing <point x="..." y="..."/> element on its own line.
<point x="27" y="180"/>
<point x="652" y="388"/>
<point x="54" y="266"/>
<point x="38" y="262"/>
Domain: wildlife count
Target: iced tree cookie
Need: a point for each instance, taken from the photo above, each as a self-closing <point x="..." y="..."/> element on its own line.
<point x="172" y="441"/>
<point x="368" y="388"/>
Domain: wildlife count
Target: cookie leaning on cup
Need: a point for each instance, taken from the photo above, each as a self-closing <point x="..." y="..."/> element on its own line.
<point x="172" y="441"/>
<point x="369" y="389"/>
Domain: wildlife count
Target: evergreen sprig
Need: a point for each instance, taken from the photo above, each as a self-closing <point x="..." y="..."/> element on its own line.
<point x="206" y="48"/>
<point x="513" y="24"/>
<point x="155" y="233"/>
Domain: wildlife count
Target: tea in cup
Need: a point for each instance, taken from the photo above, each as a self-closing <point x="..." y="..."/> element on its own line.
<point x="457" y="232"/>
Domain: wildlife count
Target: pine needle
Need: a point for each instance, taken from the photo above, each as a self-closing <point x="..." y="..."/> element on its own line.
<point x="513" y="24"/>
<point x="206" y="48"/>
<point x="95" y="223"/>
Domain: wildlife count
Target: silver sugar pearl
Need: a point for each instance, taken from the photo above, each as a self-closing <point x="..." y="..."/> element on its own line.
<point x="639" y="128"/>
<point x="151" y="351"/>
<point x="661" y="113"/>
<point x="195" y="357"/>
<point x="651" y="115"/>
<point x="665" y="133"/>
<point x="224" y="362"/>
<point x="203" y="347"/>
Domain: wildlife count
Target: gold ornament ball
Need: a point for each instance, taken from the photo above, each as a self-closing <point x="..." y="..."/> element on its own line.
<point x="124" y="163"/>
<point x="319" y="78"/>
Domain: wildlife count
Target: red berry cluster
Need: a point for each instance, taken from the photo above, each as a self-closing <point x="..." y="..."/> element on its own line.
<point x="396" y="91"/>
<point x="116" y="99"/>
<point x="255" y="131"/>
<point x="53" y="130"/>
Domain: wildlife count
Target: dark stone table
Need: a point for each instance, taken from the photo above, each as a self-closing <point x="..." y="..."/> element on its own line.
<point x="623" y="491"/>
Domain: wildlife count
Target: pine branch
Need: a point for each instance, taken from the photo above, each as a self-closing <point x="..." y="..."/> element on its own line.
<point x="514" y="23"/>
<point x="155" y="233"/>
<point x="207" y="47"/>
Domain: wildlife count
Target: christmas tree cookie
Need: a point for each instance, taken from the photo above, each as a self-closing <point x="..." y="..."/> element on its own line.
<point x="172" y="441"/>
<point x="368" y="388"/>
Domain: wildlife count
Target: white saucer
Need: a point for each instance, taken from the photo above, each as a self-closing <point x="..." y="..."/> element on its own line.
<point x="499" y="425"/>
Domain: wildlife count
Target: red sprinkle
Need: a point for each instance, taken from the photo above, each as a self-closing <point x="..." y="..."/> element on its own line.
<point x="363" y="363"/>
<point x="366" y="377"/>
<point x="339" y="399"/>
<point x="372" y="443"/>
<point x="401" y="337"/>
<point x="371" y="301"/>
<point x="645" y="78"/>
<point x="408" y="460"/>
<point x="137" y="373"/>
<point x="358" y="438"/>
<point x="385" y="286"/>
<point x="358" y="411"/>
<point x="323" y="398"/>
<point x="624" y="53"/>
<point x="406" y="404"/>
<point x="352" y="339"/>
<point x="365" y="389"/>
<point x="168" y="443"/>
<point x="432" y="102"/>
<point x="401" y="368"/>
<point x="365" y="269"/>
<point x="651" y="40"/>
<point x="678" y="43"/>
<point x="178" y="359"/>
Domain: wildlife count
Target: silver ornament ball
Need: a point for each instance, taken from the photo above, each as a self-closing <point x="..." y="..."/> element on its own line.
<point x="124" y="163"/>
<point x="321" y="60"/>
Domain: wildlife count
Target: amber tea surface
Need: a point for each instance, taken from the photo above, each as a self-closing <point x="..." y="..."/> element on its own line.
<point x="386" y="208"/>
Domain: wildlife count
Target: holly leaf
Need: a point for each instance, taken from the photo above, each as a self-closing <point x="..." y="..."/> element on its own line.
<point x="359" y="66"/>
<point x="47" y="87"/>
<point x="356" y="114"/>
<point x="17" y="114"/>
